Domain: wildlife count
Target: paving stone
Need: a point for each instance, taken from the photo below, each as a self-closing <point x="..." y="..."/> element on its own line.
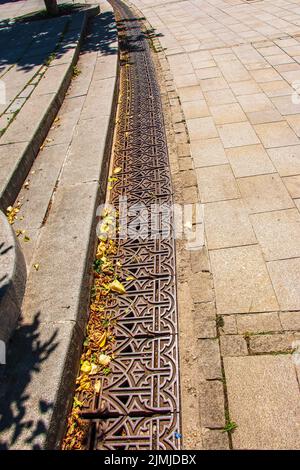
<point x="201" y="128"/>
<point x="255" y="102"/>
<point x="279" y="59"/>
<point x="209" y="359"/>
<point x="205" y="311"/>
<point x="276" y="134"/>
<point x="228" y="325"/>
<point x="185" y="163"/>
<point x="285" y="105"/>
<point x="292" y="184"/>
<point x="227" y="113"/>
<point x="69" y="113"/>
<point x="276" y="232"/>
<point x="195" y="109"/>
<point x="241" y="281"/>
<point x="188" y="178"/>
<point x="290" y="320"/>
<point x="216" y="183"/>
<point x="272" y="343"/>
<point x="182" y="81"/>
<point x="191" y="93"/>
<point x="246" y="87"/>
<point x="294" y="122"/>
<point x="276" y="88"/>
<point x="199" y="260"/>
<point x="204" y="328"/>
<point x="80" y="201"/>
<point x="210" y="84"/>
<point x="214" y="439"/>
<point x="27" y="91"/>
<point x="209" y="72"/>
<point x="264" y="193"/>
<point x="52" y="79"/>
<point x="183" y="150"/>
<point x="270" y="50"/>
<point x="233" y="345"/>
<point x="258" y="322"/>
<point x="237" y="134"/>
<point x="35" y="202"/>
<point x="208" y="152"/>
<point x="212" y="404"/>
<point x="285" y="275"/>
<point x="233" y="71"/>
<point x="218" y="97"/>
<point x="190" y="195"/>
<point x="267" y="417"/>
<point x="286" y="159"/>
<point x="77" y="169"/>
<point x="227" y="224"/>
<point x="290" y="76"/>
<point x="249" y="160"/>
<point x="201" y="287"/>
<point x="26" y="122"/>
<point x="265" y="75"/>
<point x="265" y="116"/>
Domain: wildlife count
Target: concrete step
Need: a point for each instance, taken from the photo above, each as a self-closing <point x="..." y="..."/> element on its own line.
<point x="20" y="143"/>
<point x="12" y="279"/>
<point x="59" y="208"/>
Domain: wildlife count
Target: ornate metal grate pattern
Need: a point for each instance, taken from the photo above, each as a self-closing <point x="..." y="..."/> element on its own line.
<point x="138" y="404"/>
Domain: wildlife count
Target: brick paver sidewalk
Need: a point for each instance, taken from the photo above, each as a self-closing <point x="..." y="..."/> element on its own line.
<point x="236" y="66"/>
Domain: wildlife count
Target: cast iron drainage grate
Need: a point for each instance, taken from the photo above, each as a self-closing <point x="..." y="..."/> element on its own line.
<point x="139" y="403"/>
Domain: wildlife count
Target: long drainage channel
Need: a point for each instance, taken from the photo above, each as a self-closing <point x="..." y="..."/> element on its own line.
<point x="138" y="404"/>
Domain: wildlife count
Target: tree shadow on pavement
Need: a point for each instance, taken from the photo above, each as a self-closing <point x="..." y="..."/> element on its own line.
<point x="26" y="352"/>
<point x="30" y="43"/>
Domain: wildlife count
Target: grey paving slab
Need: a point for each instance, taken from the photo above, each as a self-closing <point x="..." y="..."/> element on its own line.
<point x="249" y="160"/>
<point x="227" y="224"/>
<point x="276" y="233"/>
<point x="258" y="322"/>
<point x="61" y="131"/>
<point x="43" y="174"/>
<point x="266" y="416"/>
<point x="242" y="282"/>
<point x="264" y="193"/>
<point x="286" y="159"/>
<point x="208" y="152"/>
<point x="72" y="214"/>
<point x="285" y="278"/>
<point x="77" y="169"/>
<point x="217" y="183"/>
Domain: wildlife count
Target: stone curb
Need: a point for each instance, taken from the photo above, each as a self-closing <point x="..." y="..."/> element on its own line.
<point x="12" y="279"/>
<point x="25" y="152"/>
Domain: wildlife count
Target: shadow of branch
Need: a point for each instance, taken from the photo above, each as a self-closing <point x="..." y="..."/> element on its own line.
<point x="26" y="353"/>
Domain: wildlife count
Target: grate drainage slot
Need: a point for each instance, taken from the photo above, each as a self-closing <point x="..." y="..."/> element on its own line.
<point x="137" y="406"/>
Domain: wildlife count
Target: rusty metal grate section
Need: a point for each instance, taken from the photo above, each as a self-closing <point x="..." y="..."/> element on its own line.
<point x="138" y="405"/>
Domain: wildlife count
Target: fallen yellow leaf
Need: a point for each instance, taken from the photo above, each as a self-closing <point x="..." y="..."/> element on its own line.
<point x="117" y="286"/>
<point x="102" y="340"/>
<point x="86" y="367"/>
<point x="97" y="386"/>
<point x="104" y="360"/>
